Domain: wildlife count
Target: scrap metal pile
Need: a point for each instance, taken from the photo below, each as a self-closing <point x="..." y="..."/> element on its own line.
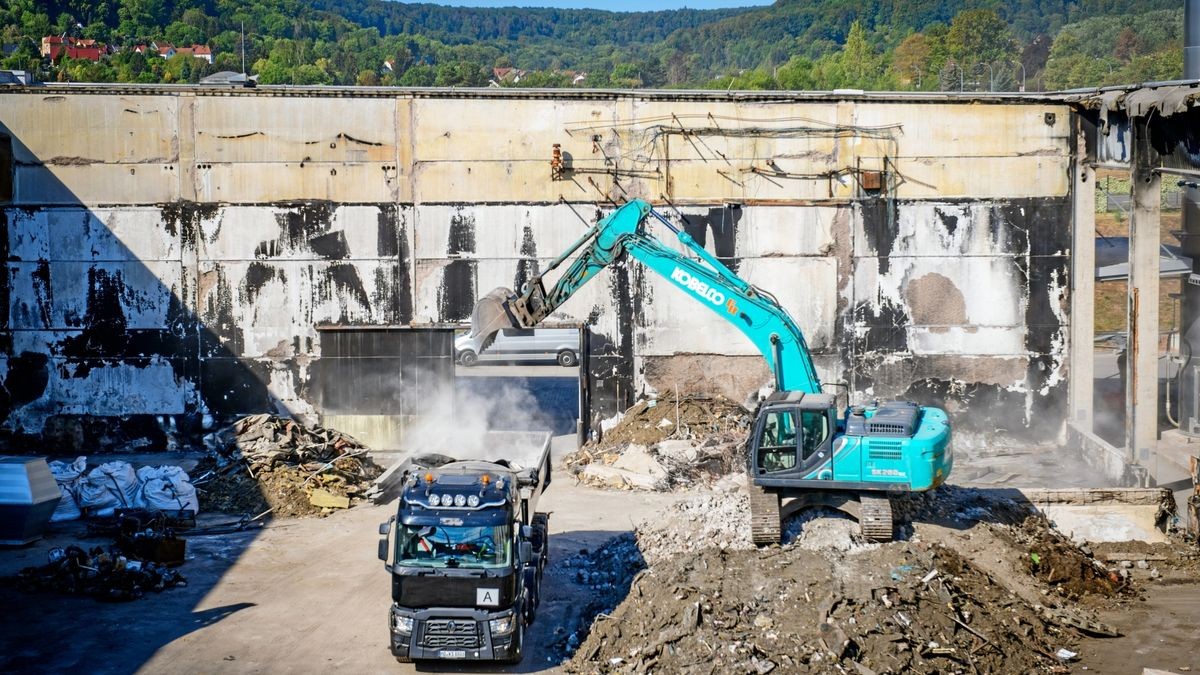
<point x="105" y="573"/>
<point x="666" y="443"/>
<point x="263" y="463"/>
<point x="141" y="560"/>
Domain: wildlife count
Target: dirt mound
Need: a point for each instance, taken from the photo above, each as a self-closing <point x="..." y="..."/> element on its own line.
<point x="687" y="417"/>
<point x="901" y="607"/>
<point x="666" y="444"/>
<point x="270" y="464"/>
<point x="981" y="582"/>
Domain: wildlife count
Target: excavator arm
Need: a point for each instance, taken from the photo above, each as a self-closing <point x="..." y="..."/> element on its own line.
<point x="706" y="279"/>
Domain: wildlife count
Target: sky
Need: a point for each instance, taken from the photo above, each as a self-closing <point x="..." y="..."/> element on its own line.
<point x="612" y="5"/>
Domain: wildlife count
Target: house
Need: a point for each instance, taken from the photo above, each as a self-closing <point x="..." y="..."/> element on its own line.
<point x="164" y="49"/>
<point x="577" y="79"/>
<point x="502" y="76"/>
<point x="74" y="48"/>
<point x="203" y="52"/>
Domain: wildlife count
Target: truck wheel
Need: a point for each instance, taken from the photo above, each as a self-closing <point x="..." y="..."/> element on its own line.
<point x="468" y="358"/>
<point x="519" y="642"/>
<point x="567" y="359"/>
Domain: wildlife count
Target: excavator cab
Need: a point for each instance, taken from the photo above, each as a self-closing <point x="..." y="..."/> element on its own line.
<point x="793" y="435"/>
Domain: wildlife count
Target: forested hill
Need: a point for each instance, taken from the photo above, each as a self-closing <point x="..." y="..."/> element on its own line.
<point x="792" y="44"/>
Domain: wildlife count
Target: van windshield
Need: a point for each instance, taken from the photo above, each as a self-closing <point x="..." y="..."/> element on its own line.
<point x="463" y="546"/>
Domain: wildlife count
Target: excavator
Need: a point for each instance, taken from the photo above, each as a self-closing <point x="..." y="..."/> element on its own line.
<point x="801" y="453"/>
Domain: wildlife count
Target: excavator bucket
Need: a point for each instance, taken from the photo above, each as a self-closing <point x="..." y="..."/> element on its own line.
<point x="490" y="316"/>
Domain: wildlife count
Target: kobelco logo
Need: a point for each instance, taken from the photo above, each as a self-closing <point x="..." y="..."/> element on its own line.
<point x="698" y="287"/>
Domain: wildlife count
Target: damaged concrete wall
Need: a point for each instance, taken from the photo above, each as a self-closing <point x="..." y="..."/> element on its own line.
<point x="179" y="256"/>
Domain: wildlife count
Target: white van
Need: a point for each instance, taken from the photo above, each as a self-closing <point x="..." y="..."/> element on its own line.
<point x="522" y="344"/>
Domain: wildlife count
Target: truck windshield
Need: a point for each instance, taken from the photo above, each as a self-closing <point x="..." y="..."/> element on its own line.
<point x="445" y="546"/>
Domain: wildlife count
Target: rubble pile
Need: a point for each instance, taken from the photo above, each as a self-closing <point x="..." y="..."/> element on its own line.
<point x="665" y="444"/>
<point x="607" y="573"/>
<point x="685" y="417"/>
<point x="897" y="608"/>
<point x="109" y="574"/>
<point x="264" y="463"/>
<point x="982" y="583"/>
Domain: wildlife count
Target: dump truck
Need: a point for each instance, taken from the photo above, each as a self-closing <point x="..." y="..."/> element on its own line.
<point x="466" y="550"/>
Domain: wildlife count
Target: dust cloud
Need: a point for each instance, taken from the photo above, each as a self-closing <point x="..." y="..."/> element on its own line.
<point x="502" y="422"/>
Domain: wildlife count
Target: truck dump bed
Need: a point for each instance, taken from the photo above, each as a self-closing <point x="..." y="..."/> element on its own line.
<point x="521" y="452"/>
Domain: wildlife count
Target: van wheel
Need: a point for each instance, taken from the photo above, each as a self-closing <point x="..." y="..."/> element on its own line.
<point x="468" y="358"/>
<point x="567" y="358"/>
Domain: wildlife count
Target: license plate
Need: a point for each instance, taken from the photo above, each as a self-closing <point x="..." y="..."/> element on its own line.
<point x="452" y="654"/>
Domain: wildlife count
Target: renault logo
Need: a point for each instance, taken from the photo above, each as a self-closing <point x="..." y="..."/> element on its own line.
<point x="452" y="626"/>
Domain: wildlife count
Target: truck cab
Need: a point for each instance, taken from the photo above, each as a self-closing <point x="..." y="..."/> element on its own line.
<point x="466" y="552"/>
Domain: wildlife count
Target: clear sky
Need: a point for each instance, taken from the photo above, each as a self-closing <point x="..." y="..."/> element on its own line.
<point x="612" y="5"/>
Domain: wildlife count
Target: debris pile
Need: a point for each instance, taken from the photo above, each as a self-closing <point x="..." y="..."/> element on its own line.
<point x="145" y="551"/>
<point x="898" y="608"/>
<point x="981" y="583"/>
<point x="103" y="573"/>
<point x="664" y="444"/>
<point x="265" y="463"/>
<point x="607" y="573"/>
<point x="686" y="417"/>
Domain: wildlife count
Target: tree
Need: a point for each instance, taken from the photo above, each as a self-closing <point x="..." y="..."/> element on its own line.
<point x="859" y="60"/>
<point x="979" y="36"/>
<point x="797" y="74"/>
<point x="910" y="61"/>
<point x="1127" y="44"/>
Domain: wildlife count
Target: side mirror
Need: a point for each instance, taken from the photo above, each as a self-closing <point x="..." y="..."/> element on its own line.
<point x="385" y="528"/>
<point x="526" y="552"/>
<point x="383" y="549"/>
<point x="526" y="532"/>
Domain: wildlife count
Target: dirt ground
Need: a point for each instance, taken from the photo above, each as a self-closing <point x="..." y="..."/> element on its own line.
<point x="665" y="582"/>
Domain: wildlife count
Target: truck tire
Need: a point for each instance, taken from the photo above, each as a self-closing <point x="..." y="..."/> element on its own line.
<point x="519" y="641"/>
<point x="568" y="358"/>
<point x="468" y="358"/>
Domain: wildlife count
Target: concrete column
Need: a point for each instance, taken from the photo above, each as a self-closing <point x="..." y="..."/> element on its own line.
<point x="1141" y="382"/>
<point x="1083" y="288"/>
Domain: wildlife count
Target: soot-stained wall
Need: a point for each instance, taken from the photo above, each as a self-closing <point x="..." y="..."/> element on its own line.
<point x="173" y="253"/>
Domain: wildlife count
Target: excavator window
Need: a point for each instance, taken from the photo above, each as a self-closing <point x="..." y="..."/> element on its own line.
<point x="777" y="444"/>
<point x="816" y="430"/>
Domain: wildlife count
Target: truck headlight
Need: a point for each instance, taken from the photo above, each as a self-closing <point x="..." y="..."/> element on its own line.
<point x="473" y="501"/>
<point x="460" y="500"/>
<point x="402" y="624"/>
<point x="434" y="500"/>
<point x="503" y="625"/>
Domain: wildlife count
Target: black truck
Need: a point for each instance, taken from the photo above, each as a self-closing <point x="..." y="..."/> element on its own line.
<point x="466" y="551"/>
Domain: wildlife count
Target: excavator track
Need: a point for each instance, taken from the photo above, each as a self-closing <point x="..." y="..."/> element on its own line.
<point x="765" y="525"/>
<point x="875" y="520"/>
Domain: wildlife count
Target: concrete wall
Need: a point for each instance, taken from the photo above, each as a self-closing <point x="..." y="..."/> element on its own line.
<point x="172" y="251"/>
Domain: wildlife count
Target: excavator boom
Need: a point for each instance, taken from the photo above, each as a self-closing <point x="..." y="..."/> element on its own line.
<point x="751" y="310"/>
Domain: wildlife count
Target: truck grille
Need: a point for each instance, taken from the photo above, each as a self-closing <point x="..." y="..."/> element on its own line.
<point x="443" y="633"/>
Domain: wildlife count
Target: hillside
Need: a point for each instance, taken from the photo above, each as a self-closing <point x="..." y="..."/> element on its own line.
<point x="796" y="44"/>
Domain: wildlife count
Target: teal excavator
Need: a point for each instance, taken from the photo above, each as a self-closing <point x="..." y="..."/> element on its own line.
<point x="801" y="453"/>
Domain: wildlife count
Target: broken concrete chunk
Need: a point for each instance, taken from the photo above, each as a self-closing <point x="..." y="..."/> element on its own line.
<point x="678" y="450"/>
<point x="614" y="477"/>
<point x="637" y="459"/>
<point x="326" y="499"/>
